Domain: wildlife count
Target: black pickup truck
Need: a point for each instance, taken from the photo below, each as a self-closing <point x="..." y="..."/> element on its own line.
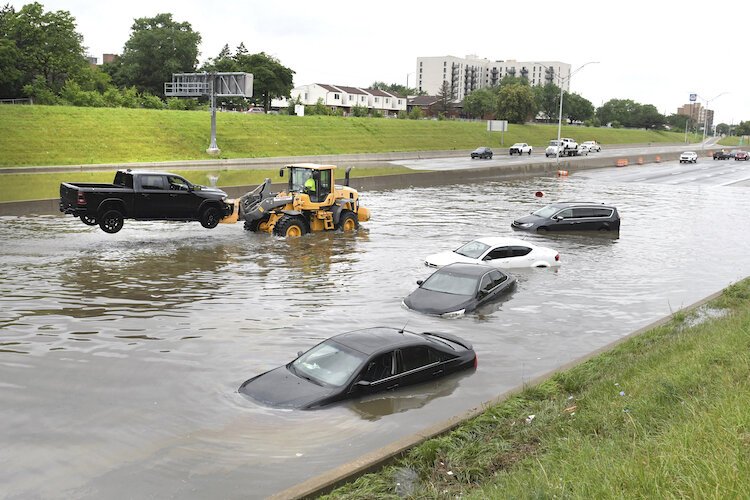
<point x="143" y="195"/>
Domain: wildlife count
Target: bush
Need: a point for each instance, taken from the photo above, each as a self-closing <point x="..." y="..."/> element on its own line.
<point x="149" y="101"/>
<point x="359" y="111"/>
<point x="416" y="113"/>
<point x="402" y="115"/>
<point x="40" y="92"/>
<point x="377" y="113"/>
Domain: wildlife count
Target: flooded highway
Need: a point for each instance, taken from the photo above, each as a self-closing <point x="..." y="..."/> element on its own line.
<point x="121" y="355"/>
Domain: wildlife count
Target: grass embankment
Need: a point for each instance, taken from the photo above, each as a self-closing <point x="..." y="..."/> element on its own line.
<point x="734" y="141"/>
<point x="60" y="135"/>
<point x="42" y="186"/>
<point x="662" y="415"/>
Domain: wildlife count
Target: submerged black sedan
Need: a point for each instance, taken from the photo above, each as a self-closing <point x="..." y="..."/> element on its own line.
<point x="459" y="288"/>
<point x="359" y="363"/>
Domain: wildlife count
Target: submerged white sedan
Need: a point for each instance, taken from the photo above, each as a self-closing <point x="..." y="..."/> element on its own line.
<point x="498" y="251"/>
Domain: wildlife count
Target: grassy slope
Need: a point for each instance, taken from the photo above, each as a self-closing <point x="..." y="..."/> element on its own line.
<point x="59" y="135"/>
<point x="662" y="415"/>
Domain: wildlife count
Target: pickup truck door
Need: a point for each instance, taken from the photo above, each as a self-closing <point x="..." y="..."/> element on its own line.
<point x="152" y="197"/>
<point x="184" y="202"/>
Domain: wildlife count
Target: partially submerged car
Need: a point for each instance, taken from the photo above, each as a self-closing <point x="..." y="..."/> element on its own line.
<point x="482" y="152"/>
<point x="456" y="289"/>
<point x="497" y="251"/>
<point x="570" y="216"/>
<point x="358" y="363"/>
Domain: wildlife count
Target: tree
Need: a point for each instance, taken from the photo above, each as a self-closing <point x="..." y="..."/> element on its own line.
<point x="271" y="79"/>
<point x="577" y="108"/>
<point x="35" y="44"/>
<point x="445" y="98"/>
<point x="515" y="103"/>
<point x="547" y="99"/>
<point x="158" y="46"/>
<point x="722" y="129"/>
<point x="481" y="103"/>
<point x="397" y="89"/>
<point x="742" y="129"/>
<point x="647" y="116"/>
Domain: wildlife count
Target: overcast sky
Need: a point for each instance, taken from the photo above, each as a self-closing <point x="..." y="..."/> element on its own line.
<point x="653" y="52"/>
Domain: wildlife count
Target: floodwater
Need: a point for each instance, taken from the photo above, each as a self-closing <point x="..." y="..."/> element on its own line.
<point x="120" y="355"/>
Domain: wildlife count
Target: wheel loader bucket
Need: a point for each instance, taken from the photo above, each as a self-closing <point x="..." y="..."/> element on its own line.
<point x="234" y="216"/>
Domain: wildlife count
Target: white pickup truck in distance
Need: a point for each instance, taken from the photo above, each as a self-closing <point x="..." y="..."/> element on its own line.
<point x="568" y="147"/>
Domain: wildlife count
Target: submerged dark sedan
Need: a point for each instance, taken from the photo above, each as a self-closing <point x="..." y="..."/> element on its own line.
<point x="358" y="363"/>
<point x="459" y="288"/>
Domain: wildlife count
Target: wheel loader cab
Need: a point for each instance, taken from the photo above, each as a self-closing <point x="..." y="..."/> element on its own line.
<point x="316" y="183"/>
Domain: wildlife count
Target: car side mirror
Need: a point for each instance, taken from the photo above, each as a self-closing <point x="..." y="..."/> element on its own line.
<point x="419" y="282"/>
<point x="363" y="383"/>
<point x="557" y="217"/>
<point x="346" y="176"/>
<point x="300" y="353"/>
<point x="281" y="172"/>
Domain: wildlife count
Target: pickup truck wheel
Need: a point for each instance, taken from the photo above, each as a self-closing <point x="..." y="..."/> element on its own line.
<point x="210" y="218"/>
<point x="111" y="221"/>
<point x="89" y="220"/>
<point x="290" y="225"/>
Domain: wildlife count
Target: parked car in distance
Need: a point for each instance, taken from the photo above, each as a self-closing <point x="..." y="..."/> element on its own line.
<point x="520" y="148"/>
<point x="570" y="216"/>
<point x="689" y="157"/>
<point x="583" y="150"/>
<point x="741" y="155"/>
<point x="497" y="251"/>
<point x="722" y="155"/>
<point x="359" y="363"/>
<point x="592" y="145"/>
<point x="482" y="152"/>
<point x="459" y="288"/>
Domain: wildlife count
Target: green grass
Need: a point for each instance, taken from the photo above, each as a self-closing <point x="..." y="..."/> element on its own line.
<point x="734" y="141"/>
<point x="662" y="415"/>
<point x="61" y="135"/>
<point x="19" y="187"/>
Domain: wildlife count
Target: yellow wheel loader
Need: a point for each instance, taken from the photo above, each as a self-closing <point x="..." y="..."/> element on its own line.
<point x="311" y="202"/>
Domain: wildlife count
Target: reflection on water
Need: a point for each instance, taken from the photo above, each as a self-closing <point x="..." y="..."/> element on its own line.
<point x="125" y="351"/>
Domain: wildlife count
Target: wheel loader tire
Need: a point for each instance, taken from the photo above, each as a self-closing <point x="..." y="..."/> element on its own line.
<point x="257" y="225"/>
<point x="348" y="221"/>
<point x="290" y="226"/>
<point x="210" y="217"/>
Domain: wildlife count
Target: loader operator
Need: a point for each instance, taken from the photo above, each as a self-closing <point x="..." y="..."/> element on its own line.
<point x="310" y="187"/>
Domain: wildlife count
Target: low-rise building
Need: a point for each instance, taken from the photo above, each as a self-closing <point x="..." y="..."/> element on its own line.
<point x="344" y="98"/>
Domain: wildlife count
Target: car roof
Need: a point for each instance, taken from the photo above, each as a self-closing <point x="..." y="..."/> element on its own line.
<point x="567" y="204"/>
<point x="467" y="269"/>
<point x="146" y="172"/>
<point x="372" y="340"/>
<point x="496" y="241"/>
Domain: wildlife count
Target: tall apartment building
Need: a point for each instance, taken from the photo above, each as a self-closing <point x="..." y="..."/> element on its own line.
<point x="470" y="73"/>
<point x="697" y="114"/>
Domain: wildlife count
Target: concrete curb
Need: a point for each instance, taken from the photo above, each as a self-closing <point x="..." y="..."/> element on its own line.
<point x="531" y="168"/>
<point x="378" y="458"/>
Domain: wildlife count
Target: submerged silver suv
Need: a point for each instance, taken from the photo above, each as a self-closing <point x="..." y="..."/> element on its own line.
<point x="570" y="216"/>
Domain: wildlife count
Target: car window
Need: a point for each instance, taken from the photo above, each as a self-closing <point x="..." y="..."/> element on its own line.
<point x="565" y="214"/>
<point x="416" y="357"/>
<point x="499" y="253"/>
<point x="447" y="282"/>
<point x="328" y="363"/>
<point x="153" y="182"/>
<point x="602" y="212"/>
<point x="381" y="367"/>
<point x="472" y="249"/>
<point x="497" y="278"/>
<point x="484" y="285"/>
<point x="520" y="251"/>
<point x="177" y="183"/>
<point x="583" y="212"/>
<point x="546" y="212"/>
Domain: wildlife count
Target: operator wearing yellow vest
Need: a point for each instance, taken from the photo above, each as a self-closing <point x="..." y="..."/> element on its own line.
<point x="310" y="186"/>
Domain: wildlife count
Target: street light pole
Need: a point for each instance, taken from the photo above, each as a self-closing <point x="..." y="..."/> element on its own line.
<point x="559" y="116"/>
<point x="705" y="117"/>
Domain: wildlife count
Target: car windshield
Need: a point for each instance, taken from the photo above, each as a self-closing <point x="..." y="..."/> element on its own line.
<point x="479" y="150"/>
<point x="472" y="249"/>
<point x="328" y="363"/>
<point x="553" y="143"/>
<point x="517" y="145"/>
<point x="546" y="212"/>
<point x="447" y="282"/>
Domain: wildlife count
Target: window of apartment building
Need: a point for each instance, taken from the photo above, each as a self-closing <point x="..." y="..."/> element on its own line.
<point x="305" y="95"/>
<point x="420" y="71"/>
<point x="336" y="96"/>
<point x="445" y="64"/>
<point x="420" y="64"/>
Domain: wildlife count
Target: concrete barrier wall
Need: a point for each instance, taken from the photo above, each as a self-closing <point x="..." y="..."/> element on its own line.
<point x="417" y="179"/>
